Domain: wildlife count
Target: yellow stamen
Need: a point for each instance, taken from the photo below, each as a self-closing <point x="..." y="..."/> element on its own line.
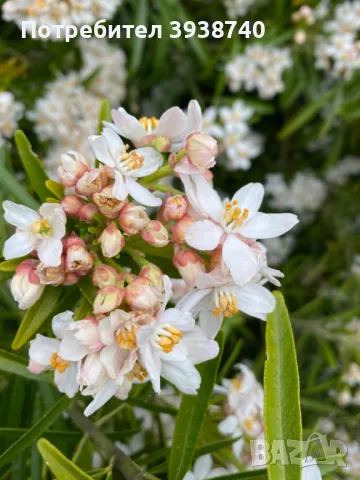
<point x="41" y="227"/>
<point x="149" y="123"/>
<point x="168" y="342"/>
<point x="126" y="337"/>
<point x="58" y="363"/>
<point x="235" y="215"/>
<point x="227" y="305"/>
<point x="138" y="372"/>
<point x="249" y="424"/>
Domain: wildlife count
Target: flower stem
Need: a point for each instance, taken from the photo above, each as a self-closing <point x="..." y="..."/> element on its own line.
<point x="164" y="171"/>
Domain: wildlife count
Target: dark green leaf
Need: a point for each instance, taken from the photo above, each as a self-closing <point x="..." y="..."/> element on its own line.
<point x="12" y="363"/>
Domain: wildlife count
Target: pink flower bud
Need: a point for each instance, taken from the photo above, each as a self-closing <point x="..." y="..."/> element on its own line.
<point x="73" y="239"/>
<point x="36" y="368"/>
<point x="108" y="298"/>
<point x="174" y="207"/>
<point x="104" y="275"/>
<point x="142" y="295"/>
<point x="87" y="333"/>
<point x="25" y="284"/>
<point x="112" y="241"/>
<point x="155" y="233"/>
<point x="133" y="218"/>
<point x="108" y="205"/>
<point x="91" y="182"/>
<point x="180" y="228"/>
<point x="72" y="205"/>
<point x="189" y="264"/>
<point x="71" y="278"/>
<point x="154" y="274"/>
<point x="51" y="275"/>
<point x="201" y="150"/>
<point x="78" y="260"/>
<point x="87" y="212"/>
<point x="73" y="167"/>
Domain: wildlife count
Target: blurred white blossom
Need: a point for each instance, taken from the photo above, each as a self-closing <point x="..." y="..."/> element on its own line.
<point x="10" y="113"/>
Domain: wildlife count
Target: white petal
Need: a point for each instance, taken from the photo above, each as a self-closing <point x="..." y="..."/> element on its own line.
<point x="200" y="349"/>
<point x="101" y="151"/>
<point x="310" y="470"/>
<point x="41" y="349"/>
<point x="71" y="349"/>
<point x="250" y="196"/>
<point x="183" y="321"/>
<point x="149" y="358"/>
<point x="141" y="194"/>
<point x="189" y="476"/>
<point x="119" y="190"/>
<point x="152" y="161"/>
<point x="191" y="300"/>
<point x="53" y="212"/>
<point x="269" y="225"/>
<point x="50" y="250"/>
<point x="228" y="425"/>
<point x="209" y="323"/>
<point x="183" y="375"/>
<point x="129" y="127"/>
<point x="194" y="117"/>
<point x="254" y="300"/>
<point x="67" y="381"/>
<point x="114" y="143"/>
<point x="19" y="215"/>
<point x="101" y="397"/>
<point x="205" y="280"/>
<point x="202" y="466"/>
<point x="113" y="358"/>
<point x="207" y="197"/>
<point x="18" y="245"/>
<point x="172" y="124"/>
<point x="60" y="323"/>
<point x="204" y="235"/>
<point x="240" y="260"/>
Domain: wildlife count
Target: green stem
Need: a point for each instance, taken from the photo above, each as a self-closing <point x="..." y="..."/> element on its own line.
<point x="137" y="257"/>
<point x="164" y="188"/>
<point x="165" y="171"/>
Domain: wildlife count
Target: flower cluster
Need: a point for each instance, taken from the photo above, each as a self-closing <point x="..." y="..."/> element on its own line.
<point x="129" y="335"/>
<point x="259" y="68"/>
<point x="239" y="8"/>
<point x="55" y="12"/>
<point x="10" y="114"/>
<point x="239" y="142"/>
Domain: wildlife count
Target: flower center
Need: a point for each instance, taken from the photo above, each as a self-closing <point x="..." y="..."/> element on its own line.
<point x="42" y="228"/>
<point x="237" y="384"/>
<point x="58" y="363"/>
<point x="224" y="302"/>
<point x="126" y="336"/>
<point x="33" y="9"/>
<point x="234" y="216"/>
<point x="131" y="161"/>
<point x="138" y="372"/>
<point x="249" y="424"/>
<point x="166" y="337"/>
<point x="149" y="124"/>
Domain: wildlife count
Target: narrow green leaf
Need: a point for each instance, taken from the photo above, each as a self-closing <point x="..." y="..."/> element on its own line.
<point x="34" y="432"/>
<point x="87" y="289"/>
<point x="14" y="189"/>
<point x="10" y="265"/>
<point x="191" y="416"/>
<point x="105" y="114"/>
<point x="254" y="475"/>
<point x="282" y="389"/>
<point x="60" y="466"/>
<point x="36" y="316"/>
<point x="32" y="165"/>
<point x="12" y="363"/>
<point x="215" y="446"/>
<point x="152" y="407"/>
<point x="56" y="188"/>
<point x="142" y="11"/>
<point x="305" y="115"/>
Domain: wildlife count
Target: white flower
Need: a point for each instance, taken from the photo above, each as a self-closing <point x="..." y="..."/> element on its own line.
<point x="10" y="113"/>
<point x="46" y="353"/>
<point x="310" y="470"/>
<point x="232" y="224"/>
<point x="41" y="231"/>
<point x="203" y="469"/>
<point x="128" y="166"/>
<point x="174" y="125"/>
<point x="216" y="296"/>
<point x="209" y="125"/>
<point x="171" y="345"/>
<point x="25" y="284"/>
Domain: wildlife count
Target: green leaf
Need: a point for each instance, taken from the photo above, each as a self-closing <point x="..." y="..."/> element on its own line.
<point x="105" y="114"/>
<point x="191" y="416"/>
<point x="253" y="475"/>
<point x="32" y="165"/>
<point x="87" y="289"/>
<point x="60" y="466"/>
<point x="14" y="189"/>
<point x="305" y="115"/>
<point x="10" y="265"/>
<point x="12" y="363"/>
<point x="56" y="188"/>
<point x="142" y="11"/>
<point x="34" y="432"/>
<point x="282" y="389"/>
<point x="152" y="407"/>
<point x="36" y="316"/>
<point x="215" y="446"/>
